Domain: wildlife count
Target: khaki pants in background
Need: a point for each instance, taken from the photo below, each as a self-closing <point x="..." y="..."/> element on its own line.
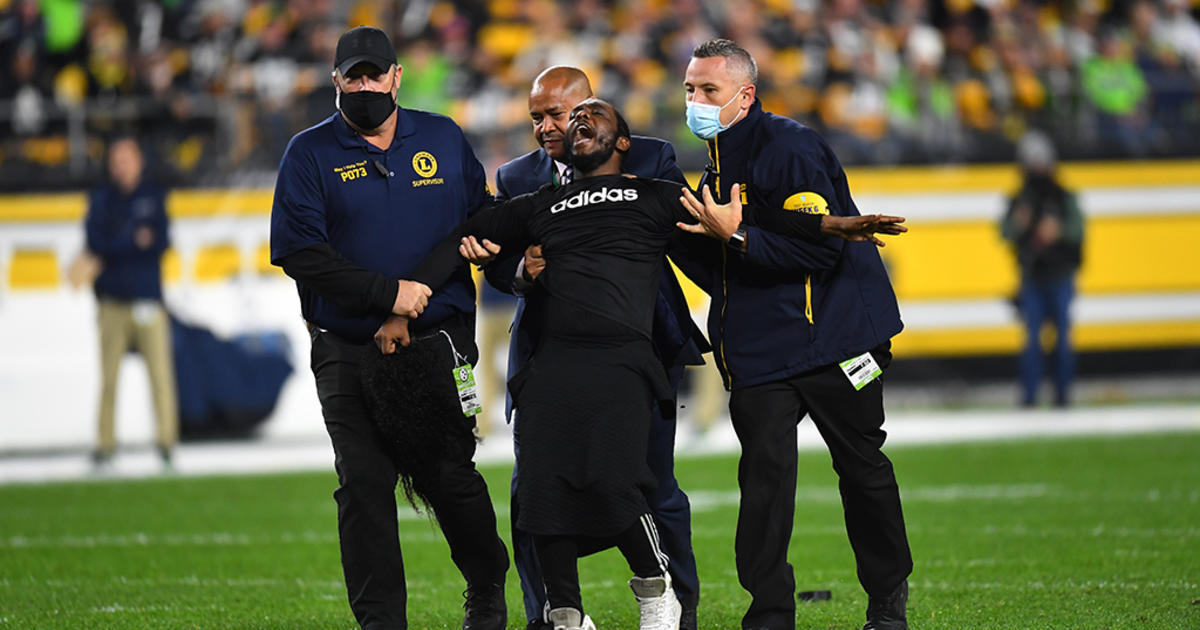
<point x="709" y="398"/>
<point x="494" y="322"/>
<point x="144" y="326"/>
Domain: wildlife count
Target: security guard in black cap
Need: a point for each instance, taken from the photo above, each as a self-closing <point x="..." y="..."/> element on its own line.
<point x="360" y="199"/>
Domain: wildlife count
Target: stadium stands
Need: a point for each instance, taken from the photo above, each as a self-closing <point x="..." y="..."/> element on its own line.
<point x="218" y="86"/>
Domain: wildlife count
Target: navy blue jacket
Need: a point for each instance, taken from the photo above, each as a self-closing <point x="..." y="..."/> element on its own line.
<point x="128" y="272"/>
<point x="676" y="337"/>
<point x="786" y="306"/>
<point x="332" y="188"/>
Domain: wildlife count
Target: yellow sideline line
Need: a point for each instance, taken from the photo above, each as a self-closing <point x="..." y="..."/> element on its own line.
<point x="180" y="204"/>
<point x="42" y="207"/>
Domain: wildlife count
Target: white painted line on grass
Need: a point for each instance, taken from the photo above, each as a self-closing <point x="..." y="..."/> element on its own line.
<point x="198" y="539"/>
<point x="903" y="428"/>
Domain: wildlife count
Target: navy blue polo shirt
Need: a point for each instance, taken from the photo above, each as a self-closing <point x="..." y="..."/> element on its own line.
<point x="330" y="190"/>
<point x="128" y="272"/>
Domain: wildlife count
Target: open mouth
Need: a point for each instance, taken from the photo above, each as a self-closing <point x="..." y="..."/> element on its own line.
<point x="582" y="132"/>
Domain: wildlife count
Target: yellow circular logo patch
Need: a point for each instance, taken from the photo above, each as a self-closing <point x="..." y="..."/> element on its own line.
<point x="424" y="164"/>
<point x="809" y="202"/>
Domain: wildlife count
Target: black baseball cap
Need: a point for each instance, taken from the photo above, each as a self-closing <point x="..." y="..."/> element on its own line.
<point x="364" y="44"/>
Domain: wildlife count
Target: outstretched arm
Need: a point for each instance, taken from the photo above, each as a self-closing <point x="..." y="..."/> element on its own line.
<point x="495" y="224"/>
<point x="800" y="246"/>
<point x="722" y="220"/>
<point x="478" y="252"/>
<point x="863" y="227"/>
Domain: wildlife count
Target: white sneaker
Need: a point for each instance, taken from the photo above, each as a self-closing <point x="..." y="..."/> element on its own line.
<point x="569" y="619"/>
<point x="660" y="607"/>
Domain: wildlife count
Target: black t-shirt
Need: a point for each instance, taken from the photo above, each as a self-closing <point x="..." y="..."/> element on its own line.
<point x="604" y="240"/>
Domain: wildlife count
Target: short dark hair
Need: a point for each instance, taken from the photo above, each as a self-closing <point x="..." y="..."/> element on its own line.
<point x="120" y="133"/>
<point x="122" y="136"/>
<point x="622" y="132"/>
<point x="736" y="57"/>
<point x="622" y="126"/>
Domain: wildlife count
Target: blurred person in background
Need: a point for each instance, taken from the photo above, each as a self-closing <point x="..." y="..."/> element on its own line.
<point x="921" y="101"/>
<point x="798" y="329"/>
<point x="678" y="341"/>
<point x="1180" y="31"/>
<point x="360" y="199"/>
<point x="127" y="231"/>
<point x="1117" y="92"/>
<point x="272" y="72"/>
<point x="27" y="89"/>
<point x="1045" y="227"/>
<point x="1166" y="71"/>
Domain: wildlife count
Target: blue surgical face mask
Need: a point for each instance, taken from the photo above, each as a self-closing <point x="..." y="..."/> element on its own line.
<point x="705" y="120"/>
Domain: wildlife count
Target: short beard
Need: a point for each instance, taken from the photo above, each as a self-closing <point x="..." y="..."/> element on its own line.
<point x="588" y="163"/>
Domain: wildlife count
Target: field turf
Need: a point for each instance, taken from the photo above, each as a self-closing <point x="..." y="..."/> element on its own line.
<point x="1088" y="533"/>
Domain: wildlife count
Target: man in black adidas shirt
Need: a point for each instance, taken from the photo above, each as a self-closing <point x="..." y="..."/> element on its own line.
<point x="586" y="395"/>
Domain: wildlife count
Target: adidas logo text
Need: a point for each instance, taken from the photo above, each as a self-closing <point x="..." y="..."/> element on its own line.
<point x="587" y="198"/>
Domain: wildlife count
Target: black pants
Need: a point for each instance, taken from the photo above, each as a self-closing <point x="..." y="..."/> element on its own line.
<point x="366" y="498"/>
<point x="559" y="556"/>
<point x="765" y="418"/>
<point x="669" y="505"/>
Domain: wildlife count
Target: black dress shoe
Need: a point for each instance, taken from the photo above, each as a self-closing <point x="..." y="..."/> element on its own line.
<point x="888" y="613"/>
<point x="485" y="608"/>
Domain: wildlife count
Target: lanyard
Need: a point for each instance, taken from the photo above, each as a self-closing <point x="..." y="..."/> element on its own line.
<point x="459" y="360"/>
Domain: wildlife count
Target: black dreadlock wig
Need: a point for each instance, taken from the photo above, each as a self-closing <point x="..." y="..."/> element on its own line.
<point x="412" y="399"/>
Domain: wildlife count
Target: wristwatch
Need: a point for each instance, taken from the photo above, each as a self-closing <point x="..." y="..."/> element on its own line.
<point x="738" y="240"/>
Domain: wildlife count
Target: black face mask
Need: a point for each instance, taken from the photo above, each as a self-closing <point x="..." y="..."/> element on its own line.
<point x="366" y="110"/>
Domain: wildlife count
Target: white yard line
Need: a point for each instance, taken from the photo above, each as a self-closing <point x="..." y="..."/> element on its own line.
<point x="934" y="427"/>
<point x="907" y="428"/>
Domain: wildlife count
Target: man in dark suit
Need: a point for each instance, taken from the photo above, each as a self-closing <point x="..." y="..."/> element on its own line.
<point x="676" y="337"/>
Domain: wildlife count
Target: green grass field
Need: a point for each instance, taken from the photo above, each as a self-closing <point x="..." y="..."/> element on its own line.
<point x="1068" y="533"/>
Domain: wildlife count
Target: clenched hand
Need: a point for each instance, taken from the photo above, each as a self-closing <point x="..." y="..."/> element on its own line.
<point x="411" y="299"/>
<point x="393" y="331"/>
<point x="535" y="263"/>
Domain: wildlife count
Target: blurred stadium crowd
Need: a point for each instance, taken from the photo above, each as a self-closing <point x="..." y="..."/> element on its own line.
<point x="216" y="88"/>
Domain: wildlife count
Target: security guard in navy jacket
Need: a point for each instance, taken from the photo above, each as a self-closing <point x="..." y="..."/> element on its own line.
<point x="127" y="230"/>
<point x="676" y="337"/>
<point x="797" y="329"/>
<point x="361" y="198"/>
